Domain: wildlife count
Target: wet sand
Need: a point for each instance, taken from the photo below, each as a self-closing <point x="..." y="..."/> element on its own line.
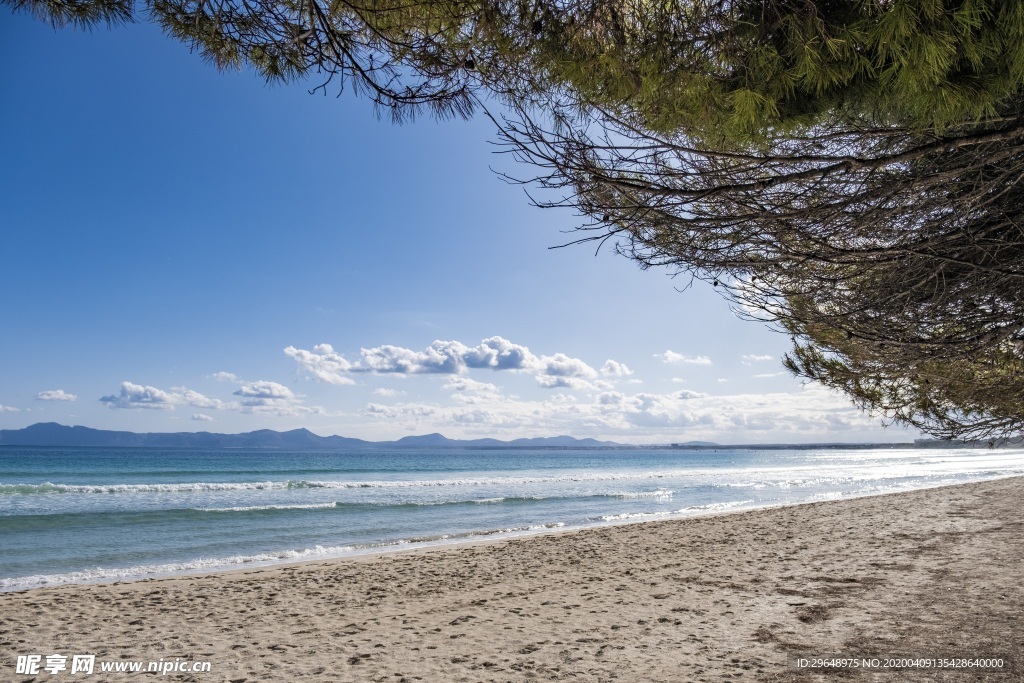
<point x="938" y="572"/>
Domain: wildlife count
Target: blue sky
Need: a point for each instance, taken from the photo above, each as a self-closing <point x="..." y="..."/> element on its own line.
<point x="186" y="249"/>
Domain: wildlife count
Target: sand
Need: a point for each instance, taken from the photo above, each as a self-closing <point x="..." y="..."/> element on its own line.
<point x="936" y="572"/>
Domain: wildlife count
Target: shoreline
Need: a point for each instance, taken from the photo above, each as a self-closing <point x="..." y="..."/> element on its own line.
<point x="732" y="594"/>
<point x="471" y="539"/>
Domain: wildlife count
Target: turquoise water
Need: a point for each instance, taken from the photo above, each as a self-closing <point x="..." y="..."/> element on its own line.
<point x="80" y="515"/>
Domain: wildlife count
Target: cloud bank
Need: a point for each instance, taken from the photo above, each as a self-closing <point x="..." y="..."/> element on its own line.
<point x="813" y="413"/>
<point x="451" y="357"/>
<point x="574" y="397"/>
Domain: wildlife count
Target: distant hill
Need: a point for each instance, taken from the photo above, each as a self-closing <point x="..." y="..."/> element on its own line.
<point x="53" y="434"/>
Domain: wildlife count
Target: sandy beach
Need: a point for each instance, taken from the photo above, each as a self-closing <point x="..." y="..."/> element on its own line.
<point x="930" y="573"/>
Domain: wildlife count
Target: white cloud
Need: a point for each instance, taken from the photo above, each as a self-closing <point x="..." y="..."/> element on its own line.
<point x="453" y="357"/>
<point x="261" y="396"/>
<point x="199" y="417"/>
<point x="686" y="394"/>
<point x="195" y="399"/>
<point x="737" y="418"/>
<point x="323" y="363"/>
<point x="264" y="389"/>
<point x="564" y="382"/>
<point x="9" y="409"/>
<point x="766" y="375"/>
<point x="224" y="376"/>
<point x="284" y="409"/>
<point x="441" y="357"/>
<point x="561" y="365"/>
<point x="402" y="410"/>
<point x="264" y="396"/>
<point x="673" y="357"/>
<point x="446" y="358"/>
<point x="613" y="368"/>
<point x="138" y="396"/>
<point x="498" y="353"/>
<point x="264" y="393"/>
<point x="55" y="395"/>
<point x="751" y="358"/>
<point x="479" y="420"/>
<point x="387" y="393"/>
<point x="611" y="398"/>
<point x="806" y="415"/>
<point x="467" y="385"/>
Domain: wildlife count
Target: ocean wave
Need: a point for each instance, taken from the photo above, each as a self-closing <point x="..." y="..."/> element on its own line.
<point x="376" y="504"/>
<point x="710" y="507"/>
<point x="965" y="463"/>
<point x="97" y="574"/>
<point x="51" y="488"/>
<point x="502" y="500"/>
<point x="55" y="518"/>
<point x="106" y="574"/>
<point x="291" y="484"/>
<point x="637" y="515"/>
<point x="259" y="508"/>
<point x="187" y="487"/>
<point x="660" y="494"/>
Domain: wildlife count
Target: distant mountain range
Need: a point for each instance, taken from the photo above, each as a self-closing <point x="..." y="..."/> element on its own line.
<point x="53" y="434"/>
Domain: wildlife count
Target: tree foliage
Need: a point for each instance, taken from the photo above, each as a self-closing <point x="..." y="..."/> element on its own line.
<point x="718" y="69"/>
<point x="730" y="70"/>
<point x="406" y="56"/>
<point x="846" y="170"/>
<point x="871" y="211"/>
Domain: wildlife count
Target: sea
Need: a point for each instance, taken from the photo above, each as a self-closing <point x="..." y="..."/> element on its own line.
<point x="84" y="515"/>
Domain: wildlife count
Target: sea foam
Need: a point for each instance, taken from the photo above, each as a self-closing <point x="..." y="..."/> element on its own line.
<point x="205" y="564"/>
